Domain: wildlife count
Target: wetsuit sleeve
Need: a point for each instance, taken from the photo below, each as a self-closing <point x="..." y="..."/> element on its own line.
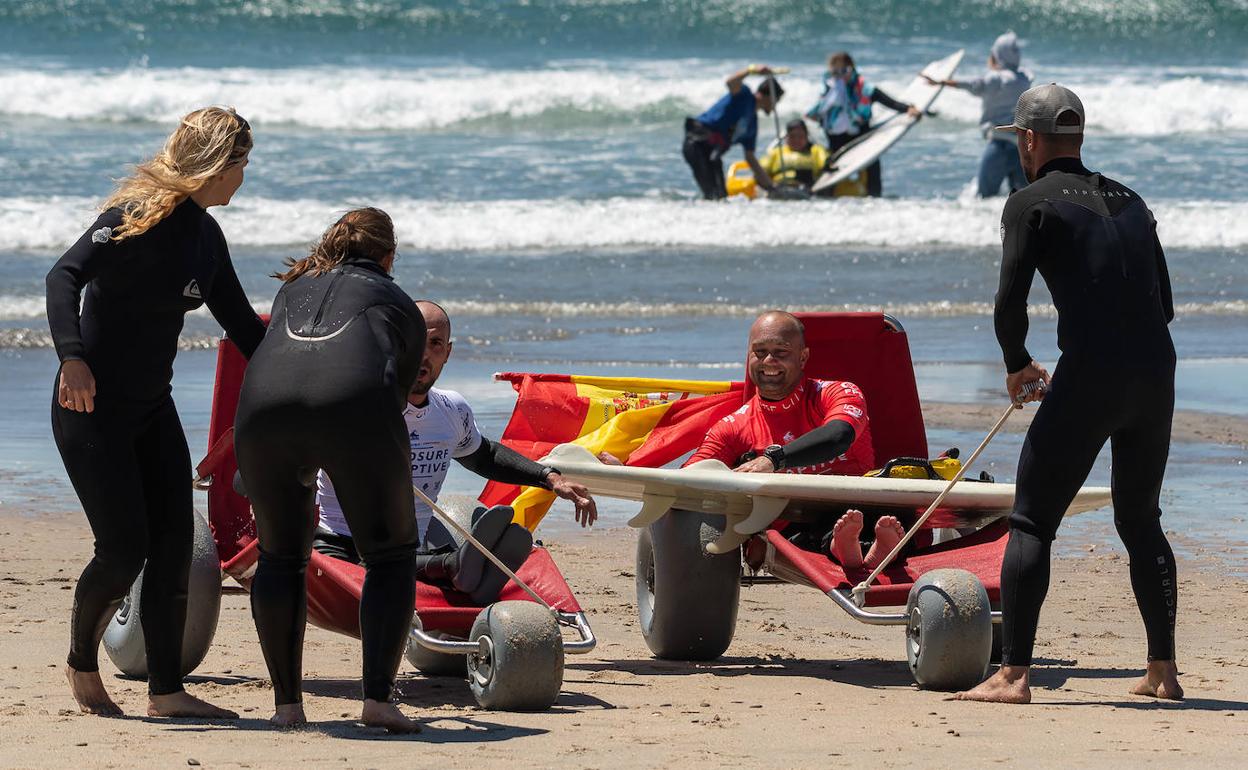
<point x="821" y="445"/>
<point x="1021" y="242"/>
<point x="229" y="305"/>
<point x="497" y="462"/>
<point x="94" y="253"/>
<point x="882" y="98"/>
<point x="720" y="444"/>
<point x="1163" y="279"/>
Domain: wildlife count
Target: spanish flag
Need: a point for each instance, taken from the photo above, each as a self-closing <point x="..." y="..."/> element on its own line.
<point x="642" y="421"/>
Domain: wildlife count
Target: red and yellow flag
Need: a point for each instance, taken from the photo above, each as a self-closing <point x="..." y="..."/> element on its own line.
<point x="642" y="421"/>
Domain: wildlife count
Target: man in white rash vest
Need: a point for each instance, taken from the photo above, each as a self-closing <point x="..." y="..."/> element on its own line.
<point x="441" y="427"/>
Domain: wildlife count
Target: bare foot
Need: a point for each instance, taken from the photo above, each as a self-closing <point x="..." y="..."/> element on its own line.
<point x="288" y="716"/>
<point x="183" y="704"/>
<point x="888" y="533"/>
<point x="845" y="547"/>
<point x="387" y="715"/>
<point x="88" y="690"/>
<point x="1160" y="681"/>
<point x="1010" y="684"/>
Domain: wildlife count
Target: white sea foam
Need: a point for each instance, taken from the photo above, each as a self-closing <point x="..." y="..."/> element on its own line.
<point x="23" y="308"/>
<point x="33" y="224"/>
<point x="1128" y="102"/>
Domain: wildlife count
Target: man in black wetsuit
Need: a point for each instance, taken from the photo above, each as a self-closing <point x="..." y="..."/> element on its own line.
<point x="1095" y="243"/>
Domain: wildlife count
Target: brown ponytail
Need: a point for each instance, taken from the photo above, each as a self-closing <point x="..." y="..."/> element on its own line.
<point x="366" y="233"/>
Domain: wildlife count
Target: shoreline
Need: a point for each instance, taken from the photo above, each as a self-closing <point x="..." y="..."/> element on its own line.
<point x="1189" y="426"/>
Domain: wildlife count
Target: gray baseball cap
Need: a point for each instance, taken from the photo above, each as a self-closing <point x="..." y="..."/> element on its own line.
<point x="1039" y="108"/>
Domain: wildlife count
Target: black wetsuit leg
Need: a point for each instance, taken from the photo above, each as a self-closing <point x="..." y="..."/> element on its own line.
<point x="363" y="447"/>
<point x="705" y="159"/>
<point x="130" y="466"/>
<point x="1083" y="410"/>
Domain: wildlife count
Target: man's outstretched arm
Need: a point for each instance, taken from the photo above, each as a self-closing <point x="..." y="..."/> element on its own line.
<point x="497" y="462"/>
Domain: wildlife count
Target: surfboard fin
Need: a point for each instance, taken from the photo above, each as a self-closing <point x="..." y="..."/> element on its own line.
<point x="652" y="509"/>
<point x="765" y="511"/>
<point x="726" y="542"/>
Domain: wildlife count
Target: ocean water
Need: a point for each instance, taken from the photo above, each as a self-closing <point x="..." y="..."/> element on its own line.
<point x="529" y="154"/>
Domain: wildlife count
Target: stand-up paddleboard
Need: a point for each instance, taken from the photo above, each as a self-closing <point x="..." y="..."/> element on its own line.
<point x="862" y="152"/>
<point x="752" y="501"/>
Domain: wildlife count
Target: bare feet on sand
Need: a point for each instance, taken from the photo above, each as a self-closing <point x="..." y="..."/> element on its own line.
<point x="845" y="547"/>
<point x="888" y="533"/>
<point x="88" y="690"/>
<point x="1160" y="681"/>
<point x="387" y="715"/>
<point x="288" y="716"/>
<point x="183" y="704"/>
<point x="1010" y="684"/>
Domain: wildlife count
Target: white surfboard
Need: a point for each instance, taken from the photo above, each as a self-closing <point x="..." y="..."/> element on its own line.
<point x="752" y="501"/>
<point x="862" y="152"/>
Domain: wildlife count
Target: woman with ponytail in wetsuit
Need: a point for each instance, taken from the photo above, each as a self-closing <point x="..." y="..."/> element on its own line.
<point x="152" y="256"/>
<point x="326" y="390"/>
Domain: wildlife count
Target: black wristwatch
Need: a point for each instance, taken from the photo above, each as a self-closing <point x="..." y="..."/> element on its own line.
<point x="546" y="471"/>
<point x="775" y="453"/>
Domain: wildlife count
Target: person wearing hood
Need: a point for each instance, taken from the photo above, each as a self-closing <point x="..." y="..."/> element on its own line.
<point x="844" y="110"/>
<point x="998" y="89"/>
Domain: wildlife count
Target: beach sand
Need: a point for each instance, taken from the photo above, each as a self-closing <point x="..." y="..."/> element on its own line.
<point x="801" y="685"/>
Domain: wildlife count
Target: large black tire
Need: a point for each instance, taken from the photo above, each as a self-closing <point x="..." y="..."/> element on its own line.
<point x="948" y="630"/>
<point x="686" y="598"/>
<point x="123" y="639"/>
<point x="519" y="662"/>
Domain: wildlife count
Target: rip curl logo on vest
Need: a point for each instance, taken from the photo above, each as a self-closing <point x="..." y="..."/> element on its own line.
<point x="102" y="235"/>
<point x="192" y="290"/>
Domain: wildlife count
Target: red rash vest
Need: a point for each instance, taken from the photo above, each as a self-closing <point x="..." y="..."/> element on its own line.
<point x="759" y="424"/>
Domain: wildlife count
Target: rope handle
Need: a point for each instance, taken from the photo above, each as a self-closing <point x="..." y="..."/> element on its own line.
<point x="859" y="591"/>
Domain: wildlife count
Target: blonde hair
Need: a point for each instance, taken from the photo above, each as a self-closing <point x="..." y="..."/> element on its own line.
<point x="207" y="142"/>
<point x="366" y="233"/>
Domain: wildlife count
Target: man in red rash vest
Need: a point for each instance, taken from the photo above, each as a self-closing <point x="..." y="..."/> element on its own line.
<point x="796" y="424"/>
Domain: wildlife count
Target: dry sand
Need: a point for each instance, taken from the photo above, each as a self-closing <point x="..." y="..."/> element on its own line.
<point x="801" y="686"/>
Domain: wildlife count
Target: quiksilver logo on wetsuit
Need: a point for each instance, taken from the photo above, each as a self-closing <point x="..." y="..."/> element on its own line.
<point x="102" y="235"/>
<point x="192" y="290"/>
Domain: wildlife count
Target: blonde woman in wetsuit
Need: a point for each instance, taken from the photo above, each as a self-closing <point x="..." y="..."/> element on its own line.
<point x="152" y="256"/>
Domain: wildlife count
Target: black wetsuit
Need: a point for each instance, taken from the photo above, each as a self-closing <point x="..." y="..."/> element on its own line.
<point x="128" y="460"/>
<point x="326" y="389"/>
<point x="1095" y="243"/>
<point x="875" y="179"/>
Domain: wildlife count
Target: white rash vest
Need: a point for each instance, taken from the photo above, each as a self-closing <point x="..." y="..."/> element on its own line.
<point x="441" y="430"/>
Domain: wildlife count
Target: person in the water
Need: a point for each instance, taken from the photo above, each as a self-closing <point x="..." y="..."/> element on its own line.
<point x="731" y="120"/>
<point x="798" y="162"/>
<point x="844" y="110"/>
<point x="998" y="89"/>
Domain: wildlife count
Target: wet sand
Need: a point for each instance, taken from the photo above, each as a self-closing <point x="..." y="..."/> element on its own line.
<point x="1188" y="426"/>
<point x="801" y="686"/>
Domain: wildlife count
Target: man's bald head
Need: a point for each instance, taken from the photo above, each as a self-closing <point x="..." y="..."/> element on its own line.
<point x="778" y="324"/>
<point x="434" y="314"/>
